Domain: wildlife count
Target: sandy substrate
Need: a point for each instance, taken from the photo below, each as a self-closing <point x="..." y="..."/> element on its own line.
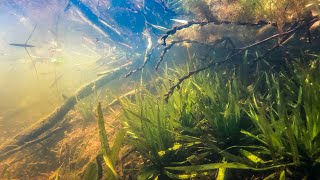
<point x="68" y="152"/>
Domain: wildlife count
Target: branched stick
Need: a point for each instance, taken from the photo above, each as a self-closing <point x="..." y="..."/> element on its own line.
<point x="216" y="22"/>
<point x="285" y="34"/>
<point x="164" y="51"/>
<point x="147" y="54"/>
<point x="177" y="85"/>
<point x="146" y="60"/>
<point x="191" y="23"/>
<point x="282" y="41"/>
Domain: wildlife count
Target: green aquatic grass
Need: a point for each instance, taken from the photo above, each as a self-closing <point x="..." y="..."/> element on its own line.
<point x="287" y="118"/>
<point x="105" y="148"/>
<point x="216" y="124"/>
<point x="220" y="105"/>
<point x="155" y="128"/>
<point x="109" y="154"/>
<point x="150" y="124"/>
<point x="307" y="129"/>
<point x="91" y="171"/>
<point x="86" y="107"/>
<point x="162" y="132"/>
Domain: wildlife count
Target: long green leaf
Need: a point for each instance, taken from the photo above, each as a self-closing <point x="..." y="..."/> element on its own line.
<point x="253" y="136"/>
<point x="212" y="166"/>
<point x="186" y="175"/>
<point x="283" y="175"/>
<point x="271" y="176"/>
<point x="102" y="132"/>
<point x="120" y="137"/>
<point x="106" y="152"/>
<point x="91" y="172"/>
<point x="251" y="156"/>
<point x="221" y="173"/>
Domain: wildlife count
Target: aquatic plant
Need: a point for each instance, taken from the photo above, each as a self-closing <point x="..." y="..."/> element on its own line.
<point x="287" y="118"/>
<point x="217" y="122"/>
<point x="108" y="154"/>
<point x="150" y="124"/>
<point x="195" y="120"/>
<point x="86" y="109"/>
<point x="219" y="99"/>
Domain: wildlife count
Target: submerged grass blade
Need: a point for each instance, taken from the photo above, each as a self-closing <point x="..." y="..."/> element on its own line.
<point x="221" y="173"/>
<point x="120" y="137"/>
<point x="251" y="156"/>
<point x="91" y="172"/>
<point x="282" y="175"/>
<point x="106" y="151"/>
<point x="102" y="131"/>
<point x="186" y="175"/>
<point x="233" y="165"/>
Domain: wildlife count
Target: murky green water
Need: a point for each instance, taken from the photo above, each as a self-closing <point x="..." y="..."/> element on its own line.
<point x="63" y="59"/>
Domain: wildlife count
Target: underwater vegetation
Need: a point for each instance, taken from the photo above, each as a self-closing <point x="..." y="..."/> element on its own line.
<point x="231" y="91"/>
<point x="215" y="126"/>
<point x="222" y="125"/>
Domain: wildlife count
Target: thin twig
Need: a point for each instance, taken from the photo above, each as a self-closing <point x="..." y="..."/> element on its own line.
<point x="147" y="59"/>
<point x="282" y="41"/>
<point x="177" y="85"/>
<point x="164" y="51"/>
<point x="31" y="34"/>
<point x="147" y="54"/>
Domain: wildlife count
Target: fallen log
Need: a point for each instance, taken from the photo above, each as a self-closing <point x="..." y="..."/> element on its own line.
<point x="43" y="127"/>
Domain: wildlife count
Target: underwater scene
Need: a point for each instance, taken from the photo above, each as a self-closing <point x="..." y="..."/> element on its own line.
<point x="160" y="89"/>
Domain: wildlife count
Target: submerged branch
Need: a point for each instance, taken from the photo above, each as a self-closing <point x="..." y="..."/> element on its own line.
<point x="191" y="23"/>
<point x="177" y="85"/>
<point x="164" y="51"/>
<point x="216" y="22"/>
<point x="147" y="58"/>
<point x="148" y="53"/>
<point x="286" y="37"/>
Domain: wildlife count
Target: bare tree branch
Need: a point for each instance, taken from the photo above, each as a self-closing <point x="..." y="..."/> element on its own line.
<point x="216" y="22"/>
<point x="286" y="36"/>
<point x="147" y="58"/>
